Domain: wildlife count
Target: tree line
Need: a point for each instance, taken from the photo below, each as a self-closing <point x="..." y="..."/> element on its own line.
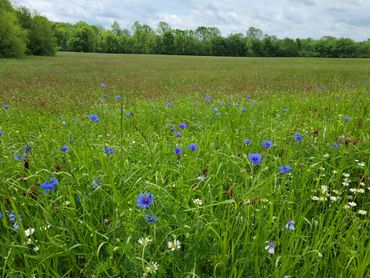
<point x="24" y="33"/>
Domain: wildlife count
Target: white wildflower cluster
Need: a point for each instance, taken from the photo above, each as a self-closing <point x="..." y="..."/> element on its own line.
<point x="28" y="233"/>
<point x="197" y="202"/>
<point x="346" y="181"/>
<point x="174" y="245"/>
<point x="145" y="241"/>
<point x="325" y="195"/>
<point x="152" y="267"/>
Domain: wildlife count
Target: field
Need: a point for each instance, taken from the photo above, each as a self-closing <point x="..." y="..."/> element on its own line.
<point x="170" y="166"/>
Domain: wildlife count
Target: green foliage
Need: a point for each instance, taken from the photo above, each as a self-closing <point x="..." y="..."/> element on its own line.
<point x="12" y="36"/>
<point x="42" y="39"/>
<point x="220" y="207"/>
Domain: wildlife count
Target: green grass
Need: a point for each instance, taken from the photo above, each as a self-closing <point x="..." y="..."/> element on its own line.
<point x="95" y="232"/>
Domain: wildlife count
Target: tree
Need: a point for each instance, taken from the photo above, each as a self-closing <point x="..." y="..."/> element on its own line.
<point x="62" y="33"/>
<point x="42" y="39"/>
<point x="83" y="37"/>
<point x="12" y="35"/>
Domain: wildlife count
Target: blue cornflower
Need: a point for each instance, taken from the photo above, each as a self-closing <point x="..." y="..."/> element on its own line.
<point x="247" y="141"/>
<point x="17" y="156"/>
<point x="151" y="106"/>
<point x="59" y="117"/>
<point x="118" y="97"/>
<point x="214" y="109"/>
<point x="230" y="104"/>
<point x="183" y="125"/>
<point x="6" y="107"/>
<point x="284" y="169"/>
<point x="16" y="226"/>
<point x="1" y="215"/>
<point x="290" y="225"/>
<point x="207" y="98"/>
<point x="1" y="132"/>
<point x="27" y="149"/>
<point x="244" y="109"/>
<point x="78" y="198"/>
<point x="254" y="104"/>
<point x="173" y="128"/>
<point x="195" y="104"/>
<point x="64" y="148"/>
<point x="149" y="217"/>
<point x="346" y="118"/>
<point x="104" y="96"/>
<point x="103" y="85"/>
<point x="145" y="200"/>
<point x="222" y="102"/>
<point x="169" y="105"/>
<point x="267" y="144"/>
<point x="178" y="134"/>
<point x="93" y="117"/>
<point x="193" y="147"/>
<point x="97" y="183"/>
<point x="298" y="137"/>
<point x="49" y="185"/>
<point x="285" y="110"/>
<point x="336" y="146"/>
<point x="237" y="105"/>
<point x="255" y="158"/>
<point x="108" y="151"/>
<point x="178" y="151"/>
<point x="248" y="98"/>
<point x="129" y="114"/>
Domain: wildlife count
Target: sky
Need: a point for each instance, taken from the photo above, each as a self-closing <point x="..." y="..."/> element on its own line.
<point x="283" y="18"/>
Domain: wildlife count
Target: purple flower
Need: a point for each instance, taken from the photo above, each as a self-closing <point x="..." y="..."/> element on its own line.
<point x="118" y="97"/>
<point x="178" y="134"/>
<point x="193" y="147"/>
<point x="298" y="137"/>
<point x="64" y="148"/>
<point x="173" y="128"/>
<point x="270" y="247"/>
<point x="290" y="225"/>
<point x="93" y="117"/>
<point x="59" y="117"/>
<point x="103" y="85"/>
<point x="183" y="125"/>
<point x="207" y="98"/>
<point x="149" y="217"/>
<point x="255" y="158"/>
<point x="97" y="183"/>
<point x="108" y="151"/>
<point x="49" y="185"/>
<point x="145" y="200"/>
<point x="6" y="107"/>
<point x="248" y="98"/>
<point x="267" y="144"/>
<point x="244" y="109"/>
<point x="178" y="151"/>
<point x="1" y="132"/>
<point x="169" y="105"/>
<point x="284" y="169"/>
<point x="336" y="146"/>
<point x="346" y="118"/>
<point x="247" y="141"/>
<point x="1" y="215"/>
<point x="27" y="149"/>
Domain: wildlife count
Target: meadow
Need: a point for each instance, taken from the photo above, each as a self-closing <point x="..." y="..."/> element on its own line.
<point x="176" y="166"/>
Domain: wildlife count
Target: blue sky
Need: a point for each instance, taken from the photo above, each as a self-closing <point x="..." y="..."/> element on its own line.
<point x="284" y="18"/>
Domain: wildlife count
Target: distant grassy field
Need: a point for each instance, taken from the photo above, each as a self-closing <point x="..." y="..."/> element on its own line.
<point x="169" y="166"/>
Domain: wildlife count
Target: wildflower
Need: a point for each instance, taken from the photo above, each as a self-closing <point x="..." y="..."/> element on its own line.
<point x="298" y="137"/>
<point x="93" y="117"/>
<point x="247" y="141"/>
<point x="1" y="132"/>
<point x="207" y="98"/>
<point x="255" y="158"/>
<point x="103" y="85"/>
<point x="36" y="248"/>
<point x="346" y="118"/>
<point x="152" y="267"/>
<point x="284" y="169"/>
<point x="108" y="151"/>
<point x="27" y="149"/>
<point x="285" y="110"/>
<point x="169" y="105"/>
<point x="193" y="147"/>
<point x="333" y="198"/>
<point x="336" y="146"/>
<point x="362" y="212"/>
<point x="352" y="204"/>
<point x="97" y="183"/>
<point x="49" y="185"/>
<point x="6" y="107"/>
<point x="197" y="202"/>
<point x="178" y="151"/>
<point x="1" y="215"/>
<point x="270" y="247"/>
<point x="149" y="217"/>
<point x="145" y="241"/>
<point x="326" y="155"/>
<point x="67" y="203"/>
<point x="118" y="97"/>
<point x="244" y="109"/>
<point x="173" y="128"/>
<point x="290" y="225"/>
<point x="64" y="148"/>
<point x="183" y="125"/>
<point x="315" y="198"/>
<point x="248" y="98"/>
<point x="16" y="226"/>
<point x="151" y="106"/>
<point x="178" y="134"/>
<point x="267" y="144"/>
<point x="29" y="232"/>
<point x="361" y="164"/>
<point x="176" y="244"/>
<point x="104" y="96"/>
<point x="145" y="200"/>
<point x="59" y="117"/>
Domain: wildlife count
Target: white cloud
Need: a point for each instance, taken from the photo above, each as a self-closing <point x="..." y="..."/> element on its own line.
<point x="284" y="18"/>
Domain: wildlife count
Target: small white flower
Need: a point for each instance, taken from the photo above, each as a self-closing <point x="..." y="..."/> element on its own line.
<point x="346" y="175"/>
<point x="36" y="248"/>
<point x="67" y="203"/>
<point x="362" y="184"/>
<point x="315" y="198"/>
<point x="362" y="212"/>
<point x="324" y="188"/>
<point x="152" y="267"/>
<point x="270" y="247"/>
<point x="353" y="190"/>
<point x="145" y="241"/>
<point x="197" y="202"/>
<point x="352" y="204"/>
<point x="176" y="244"/>
<point x="326" y="155"/>
<point x="29" y="241"/>
<point x="361" y="164"/>
<point x="333" y="198"/>
<point x="29" y="232"/>
<point x="334" y="172"/>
